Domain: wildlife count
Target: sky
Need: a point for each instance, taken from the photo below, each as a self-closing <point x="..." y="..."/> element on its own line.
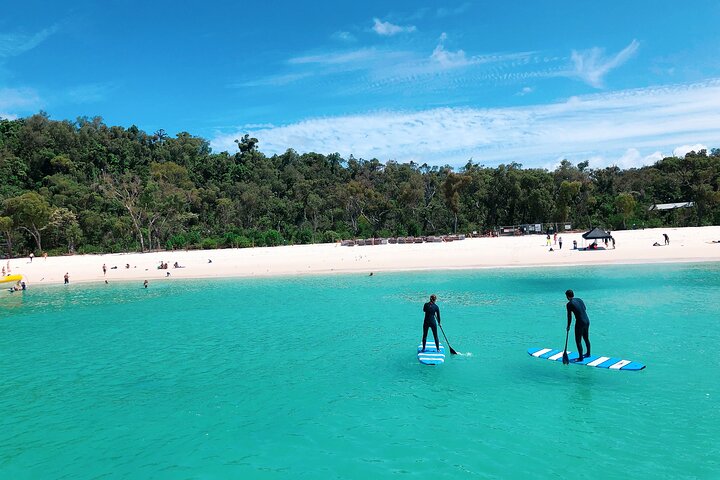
<point x="533" y="82"/>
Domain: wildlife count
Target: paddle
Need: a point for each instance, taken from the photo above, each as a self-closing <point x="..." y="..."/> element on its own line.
<point x="566" y="360"/>
<point x="452" y="351"/>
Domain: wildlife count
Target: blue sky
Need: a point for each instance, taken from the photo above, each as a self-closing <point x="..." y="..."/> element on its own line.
<point x="613" y="82"/>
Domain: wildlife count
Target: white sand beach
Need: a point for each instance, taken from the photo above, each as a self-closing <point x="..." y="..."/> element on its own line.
<point x="693" y="244"/>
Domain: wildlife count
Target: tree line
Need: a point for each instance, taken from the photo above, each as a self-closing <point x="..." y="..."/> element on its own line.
<point x="87" y="187"/>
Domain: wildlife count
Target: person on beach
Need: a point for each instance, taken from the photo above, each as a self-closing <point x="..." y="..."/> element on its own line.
<point x="582" y="323"/>
<point x="574" y="244"/>
<point x="667" y="239"/>
<point x="431" y="312"/>
<point x="547" y="242"/>
<point x="67" y="278"/>
<point x="555" y="238"/>
<point x="104" y="269"/>
<point x="32" y="255"/>
<point x="560" y="242"/>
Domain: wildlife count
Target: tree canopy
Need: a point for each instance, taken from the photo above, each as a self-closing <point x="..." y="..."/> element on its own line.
<point x="88" y="187"/>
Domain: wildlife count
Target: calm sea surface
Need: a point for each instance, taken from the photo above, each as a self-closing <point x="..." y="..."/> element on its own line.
<point x="318" y="378"/>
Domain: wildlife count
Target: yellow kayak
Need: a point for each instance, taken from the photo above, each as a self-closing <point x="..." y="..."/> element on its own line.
<point x="11" y="279"/>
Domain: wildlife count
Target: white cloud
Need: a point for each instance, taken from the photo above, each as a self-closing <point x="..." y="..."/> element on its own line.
<point x="448" y="59"/>
<point x="632" y="158"/>
<point x="343" y="36"/>
<point x="273" y="80"/>
<point x="610" y="126"/>
<point x="8" y="116"/>
<point x="89" y="93"/>
<point x="683" y="150"/>
<point x="336" y="58"/>
<point x="387" y="29"/>
<point x="13" y="44"/>
<point x="450" y="11"/>
<point x="525" y="91"/>
<point x="19" y="99"/>
<point x="591" y="66"/>
<point x="382" y="69"/>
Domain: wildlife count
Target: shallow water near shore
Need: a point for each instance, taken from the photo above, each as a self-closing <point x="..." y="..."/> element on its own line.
<point x="316" y="377"/>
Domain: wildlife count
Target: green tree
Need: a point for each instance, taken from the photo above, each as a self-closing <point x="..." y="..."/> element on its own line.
<point x="6" y="227"/>
<point x="65" y="228"/>
<point x="30" y="212"/>
<point x="625" y="204"/>
<point x="452" y="187"/>
<point x="567" y="196"/>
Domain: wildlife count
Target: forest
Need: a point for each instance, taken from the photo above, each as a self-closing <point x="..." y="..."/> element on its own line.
<point x="82" y="186"/>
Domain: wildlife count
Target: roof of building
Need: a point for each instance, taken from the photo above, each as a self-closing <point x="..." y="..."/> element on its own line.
<point x="671" y="206"/>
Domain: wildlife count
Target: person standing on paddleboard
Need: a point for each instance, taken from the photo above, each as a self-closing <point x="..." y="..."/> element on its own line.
<point x="582" y="323"/>
<point x="431" y="311"/>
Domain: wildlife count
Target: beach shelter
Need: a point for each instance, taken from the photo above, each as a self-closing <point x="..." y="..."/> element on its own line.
<point x="596" y="234"/>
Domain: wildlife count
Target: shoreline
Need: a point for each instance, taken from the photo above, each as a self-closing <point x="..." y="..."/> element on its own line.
<point x="688" y="245"/>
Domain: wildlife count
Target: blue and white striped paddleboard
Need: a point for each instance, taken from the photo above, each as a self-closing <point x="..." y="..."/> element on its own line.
<point x="612" y="363"/>
<point x="431" y="356"/>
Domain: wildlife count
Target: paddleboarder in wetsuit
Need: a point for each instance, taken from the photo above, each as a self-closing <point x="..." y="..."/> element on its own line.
<point x="582" y="323"/>
<point x="431" y="311"/>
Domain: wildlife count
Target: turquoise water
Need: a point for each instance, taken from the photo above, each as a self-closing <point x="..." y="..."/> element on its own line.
<point x="317" y="378"/>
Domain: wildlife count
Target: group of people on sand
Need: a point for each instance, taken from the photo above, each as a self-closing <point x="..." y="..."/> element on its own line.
<point x="164" y="265"/>
<point x="574" y="307"/>
<point x="557" y="240"/>
<point x="593" y="246"/>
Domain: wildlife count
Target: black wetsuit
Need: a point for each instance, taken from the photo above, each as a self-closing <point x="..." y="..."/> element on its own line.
<point x="431" y="310"/>
<point x="582" y="324"/>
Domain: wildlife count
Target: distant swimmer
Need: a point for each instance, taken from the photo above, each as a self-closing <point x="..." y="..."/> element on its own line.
<point x="145" y="284"/>
<point x="431" y="312"/>
<point x="582" y="323"/>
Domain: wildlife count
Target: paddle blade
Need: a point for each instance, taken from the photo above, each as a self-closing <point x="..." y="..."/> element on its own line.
<point x="565" y="360"/>
<point x="452" y="350"/>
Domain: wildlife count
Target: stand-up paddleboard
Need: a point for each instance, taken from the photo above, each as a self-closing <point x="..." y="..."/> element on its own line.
<point x="612" y="363"/>
<point x="431" y="356"/>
